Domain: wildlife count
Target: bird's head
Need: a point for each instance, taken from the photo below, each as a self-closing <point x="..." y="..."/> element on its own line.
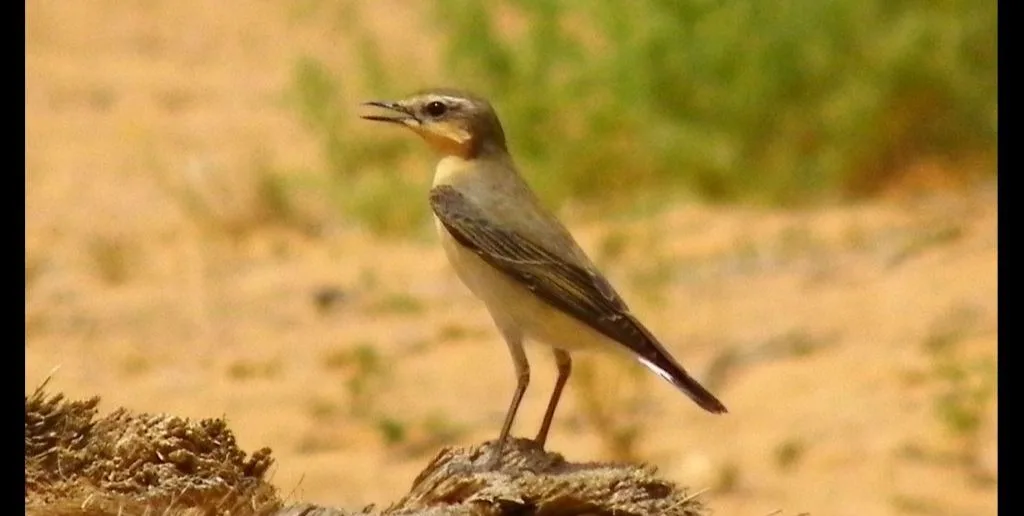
<point x="455" y="123"/>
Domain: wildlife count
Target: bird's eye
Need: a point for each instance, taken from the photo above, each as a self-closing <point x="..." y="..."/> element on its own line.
<point x="436" y="108"/>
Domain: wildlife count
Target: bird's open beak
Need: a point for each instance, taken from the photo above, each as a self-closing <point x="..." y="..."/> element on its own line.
<point x="398" y="114"/>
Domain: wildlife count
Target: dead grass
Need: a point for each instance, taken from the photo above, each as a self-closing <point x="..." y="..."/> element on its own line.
<point x="125" y="463"/>
<point x="79" y="464"/>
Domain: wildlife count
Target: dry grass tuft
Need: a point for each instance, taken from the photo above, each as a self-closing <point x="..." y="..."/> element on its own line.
<point x="124" y="463"/>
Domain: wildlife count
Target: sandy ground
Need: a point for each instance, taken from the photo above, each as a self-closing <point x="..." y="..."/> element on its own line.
<point x="855" y="346"/>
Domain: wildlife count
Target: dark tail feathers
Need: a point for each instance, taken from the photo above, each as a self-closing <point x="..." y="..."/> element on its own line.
<point x="676" y="375"/>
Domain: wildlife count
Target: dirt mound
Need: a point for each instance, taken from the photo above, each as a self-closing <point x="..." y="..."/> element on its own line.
<point x="529" y="480"/>
<point x="124" y="463"/>
<point x="122" y="460"/>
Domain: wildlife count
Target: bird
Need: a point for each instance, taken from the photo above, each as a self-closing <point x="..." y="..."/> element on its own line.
<point x="512" y="253"/>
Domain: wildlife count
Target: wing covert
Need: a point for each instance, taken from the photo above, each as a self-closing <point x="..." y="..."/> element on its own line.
<point x="575" y="289"/>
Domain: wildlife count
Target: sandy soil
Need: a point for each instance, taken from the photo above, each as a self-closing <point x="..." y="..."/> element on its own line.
<point x="855" y="346"/>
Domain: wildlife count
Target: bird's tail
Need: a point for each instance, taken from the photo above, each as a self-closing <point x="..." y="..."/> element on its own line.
<point x="657" y="359"/>
<point x="678" y="376"/>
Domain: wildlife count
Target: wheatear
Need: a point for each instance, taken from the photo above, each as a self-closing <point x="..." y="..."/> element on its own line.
<point x="516" y="257"/>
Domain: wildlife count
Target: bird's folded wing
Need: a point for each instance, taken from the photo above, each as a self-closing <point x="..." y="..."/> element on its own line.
<point x="573" y="288"/>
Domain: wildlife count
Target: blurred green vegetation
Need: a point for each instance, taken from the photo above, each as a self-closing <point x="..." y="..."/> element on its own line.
<point x="777" y="102"/>
<point x="364" y="176"/>
<point x="780" y="101"/>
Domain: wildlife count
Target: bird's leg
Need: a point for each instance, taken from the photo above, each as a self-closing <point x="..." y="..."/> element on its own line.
<point x="564" y="363"/>
<point x="515" y="347"/>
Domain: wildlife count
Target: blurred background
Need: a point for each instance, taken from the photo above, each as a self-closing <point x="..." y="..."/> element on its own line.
<point x="797" y="196"/>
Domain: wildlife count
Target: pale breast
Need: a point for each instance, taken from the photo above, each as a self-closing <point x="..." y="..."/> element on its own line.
<point x="452" y="170"/>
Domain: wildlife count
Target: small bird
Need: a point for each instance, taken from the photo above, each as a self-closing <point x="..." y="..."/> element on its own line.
<point x="516" y="257"/>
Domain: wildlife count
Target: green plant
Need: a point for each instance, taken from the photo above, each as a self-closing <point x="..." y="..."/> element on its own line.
<point x="392" y="430"/>
<point x="363" y="366"/>
<point x="968" y="386"/>
<point x="784" y="101"/>
<point x="363" y="176"/>
<point x="419" y="435"/>
<point x="397" y="303"/>
<point x="966" y="382"/>
<point x="778" y="102"/>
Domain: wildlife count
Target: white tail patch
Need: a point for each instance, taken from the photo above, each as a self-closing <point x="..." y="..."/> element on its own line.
<point x="657" y="370"/>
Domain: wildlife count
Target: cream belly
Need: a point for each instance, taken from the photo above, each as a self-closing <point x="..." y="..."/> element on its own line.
<point x="516" y="310"/>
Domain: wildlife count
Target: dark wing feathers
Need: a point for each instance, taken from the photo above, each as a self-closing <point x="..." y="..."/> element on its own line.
<point x="576" y="290"/>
